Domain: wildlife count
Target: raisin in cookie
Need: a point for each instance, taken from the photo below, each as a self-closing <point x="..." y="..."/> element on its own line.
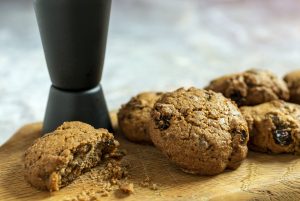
<point x="134" y="116"/>
<point x="274" y="127"/>
<point x="251" y="87"/>
<point x="293" y="82"/>
<point x="201" y="131"/>
<point x="58" y="158"/>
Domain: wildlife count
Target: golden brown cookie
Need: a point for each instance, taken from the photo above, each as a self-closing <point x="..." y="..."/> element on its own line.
<point x="292" y="80"/>
<point x="251" y="87"/>
<point x="201" y="131"/>
<point x="274" y="127"/>
<point x="134" y="116"/>
<point x="58" y="158"/>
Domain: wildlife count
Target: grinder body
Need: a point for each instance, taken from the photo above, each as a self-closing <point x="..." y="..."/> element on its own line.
<point x="74" y="35"/>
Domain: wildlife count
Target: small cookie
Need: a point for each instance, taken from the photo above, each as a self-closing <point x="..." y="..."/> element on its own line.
<point x="251" y="87"/>
<point x="274" y="127"/>
<point x="58" y="158"/>
<point x="134" y="116"/>
<point x="201" y="131"/>
<point x="292" y="80"/>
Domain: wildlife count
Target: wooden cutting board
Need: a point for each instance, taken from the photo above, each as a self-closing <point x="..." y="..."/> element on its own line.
<point x="260" y="177"/>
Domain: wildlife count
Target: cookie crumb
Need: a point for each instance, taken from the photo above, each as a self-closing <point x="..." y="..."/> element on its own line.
<point x="101" y="181"/>
<point x="145" y="182"/>
<point x="104" y="194"/>
<point x="127" y="188"/>
<point x="154" y="187"/>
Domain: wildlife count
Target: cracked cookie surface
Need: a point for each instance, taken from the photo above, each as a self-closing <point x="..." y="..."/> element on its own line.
<point x="251" y="87"/>
<point x="134" y="116"/>
<point x="274" y="127"/>
<point x="292" y="80"/>
<point x="201" y="131"/>
<point x="58" y="158"/>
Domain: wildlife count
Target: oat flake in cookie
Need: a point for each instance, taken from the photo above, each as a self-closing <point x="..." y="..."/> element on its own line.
<point x="58" y="158"/>
<point x="201" y="131"/>
<point x="274" y="127"/>
<point x="251" y="87"/>
<point x="134" y="116"/>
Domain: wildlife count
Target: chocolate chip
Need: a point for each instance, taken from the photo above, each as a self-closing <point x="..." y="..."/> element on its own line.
<point x="109" y="143"/>
<point x="281" y="133"/>
<point x="243" y="136"/>
<point x="282" y="137"/>
<point x="108" y="146"/>
<point x="163" y="122"/>
<point x="242" y="133"/>
<point x="237" y="97"/>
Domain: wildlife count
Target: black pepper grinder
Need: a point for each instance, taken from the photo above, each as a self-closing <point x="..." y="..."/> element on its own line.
<point x="74" y="34"/>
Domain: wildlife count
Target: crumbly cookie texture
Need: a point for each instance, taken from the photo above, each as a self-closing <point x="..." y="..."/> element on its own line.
<point x="251" y="87"/>
<point x="274" y="127"/>
<point x="134" y="116"/>
<point x="58" y="158"/>
<point x="292" y="80"/>
<point x="201" y="131"/>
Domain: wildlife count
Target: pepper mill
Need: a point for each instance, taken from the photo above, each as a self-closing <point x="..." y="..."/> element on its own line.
<point x="74" y="34"/>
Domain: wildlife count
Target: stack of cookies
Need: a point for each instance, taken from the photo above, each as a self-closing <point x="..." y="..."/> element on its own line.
<point x="205" y="131"/>
<point x="273" y="123"/>
<point x="202" y="131"/>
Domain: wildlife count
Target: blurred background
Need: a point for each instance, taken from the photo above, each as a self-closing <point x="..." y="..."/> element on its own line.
<point x="152" y="45"/>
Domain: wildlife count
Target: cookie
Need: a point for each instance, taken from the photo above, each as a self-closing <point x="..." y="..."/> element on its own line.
<point x="251" y="87"/>
<point x="292" y="80"/>
<point x="274" y="127"/>
<point x="58" y="158"/>
<point x="134" y="117"/>
<point x="201" y="131"/>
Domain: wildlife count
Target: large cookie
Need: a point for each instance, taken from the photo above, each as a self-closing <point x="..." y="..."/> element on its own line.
<point x="201" y="131"/>
<point x="292" y="80"/>
<point x="251" y="87"/>
<point x="274" y="127"/>
<point x="58" y="158"/>
<point x="134" y="116"/>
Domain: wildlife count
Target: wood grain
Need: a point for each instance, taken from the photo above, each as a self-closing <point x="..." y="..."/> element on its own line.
<point x="260" y="177"/>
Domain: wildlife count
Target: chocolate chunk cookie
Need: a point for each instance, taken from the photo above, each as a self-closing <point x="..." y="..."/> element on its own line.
<point x="274" y="127"/>
<point x="293" y="82"/>
<point x="134" y="116"/>
<point x="251" y="87"/>
<point x="58" y="158"/>
<point x="201" y="131"/>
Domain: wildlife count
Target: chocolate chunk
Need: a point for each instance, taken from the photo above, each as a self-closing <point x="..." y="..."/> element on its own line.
<point x="282" y="137"/>
<point x="243" y="137"/>
<point x="242" y="133"/>
<point x="237" y="97"/>
<point x="163" y="122"/>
